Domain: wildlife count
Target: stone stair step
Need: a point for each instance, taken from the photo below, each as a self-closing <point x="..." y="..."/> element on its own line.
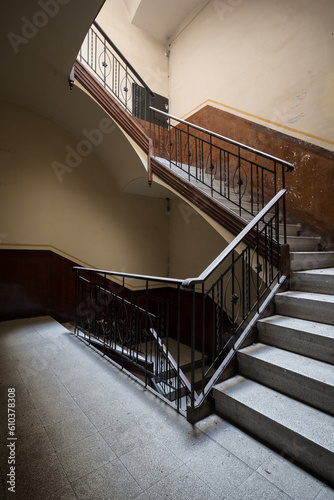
<point x="304" y="433"/>
<point x="309" y="338"/>
<point x="305" y="305"/>
<point x="300" y="261"/>
<point x="314" y="280"/>
<point x="304" y="243"/>
<point x="297" y="376"/>
<point x="291" y="229"/>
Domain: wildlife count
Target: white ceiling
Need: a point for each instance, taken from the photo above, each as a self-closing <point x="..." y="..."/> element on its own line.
<point x="162" y="18"/>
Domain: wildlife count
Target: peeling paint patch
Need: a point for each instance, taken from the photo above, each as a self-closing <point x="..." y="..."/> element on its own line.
<point x="295" y="119"/>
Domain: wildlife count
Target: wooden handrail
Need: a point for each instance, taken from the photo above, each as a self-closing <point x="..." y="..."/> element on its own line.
<point x="226" y="139"/>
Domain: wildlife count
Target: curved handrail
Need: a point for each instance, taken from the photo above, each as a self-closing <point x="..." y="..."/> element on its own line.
<point x="289" y="166"/>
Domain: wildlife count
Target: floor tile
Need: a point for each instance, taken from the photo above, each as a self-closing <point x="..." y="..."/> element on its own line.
<point x="111" y="481"/>
<point x="256" y="487"/>
<point x="103" y="416"/>
<point x="87" y="430"/>
<point x="50" y="391"/>
<point x="126" y="434"/>
<point x="64" y="409"/>
<point x="150" y="463"/>
<point x="219" y="469"/>
<point x="68" y="432"/>
<point x="38" y="479"/>
<point x="246" y="448"/>
<point x="34" y="446"/>
<point x="183" y="483"/>
<point x="94" y="398"/>
<point x="80" y="384"/>
<point x="326" y="493"/>
<point x="142" y="496"/>
<point x="27" y="422"/>
<point x="85" y="456"/>
<point x="65" y="493"/>
<point x="290" y="478"/>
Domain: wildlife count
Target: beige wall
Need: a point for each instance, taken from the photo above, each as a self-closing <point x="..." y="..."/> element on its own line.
<point x="145" y="54"/>
<point x="271" y="61"/>
<point x="84" y="216"/>
<point x="193" y="242"/>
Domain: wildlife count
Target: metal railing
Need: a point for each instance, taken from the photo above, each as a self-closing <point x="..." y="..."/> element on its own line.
<point x="243" y="177"/>
<point x="115" y="72"/>
<point x="145" y="322"/>
<point x="133" y="328"/>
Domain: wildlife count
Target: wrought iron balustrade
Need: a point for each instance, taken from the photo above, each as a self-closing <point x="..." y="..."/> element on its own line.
<point x="245" y="177"/>
<point x="115" y="72"/>
<point x="145" y="322"/>
<point x="141" y="320"/>
<point x="133" y="328"/>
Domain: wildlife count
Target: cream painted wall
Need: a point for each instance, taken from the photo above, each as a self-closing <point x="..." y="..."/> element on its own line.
<point x="271" y="61"/>
<point x="145" y="54"/>
<point x="84" y="216"/>
<point x="193" y="243"/>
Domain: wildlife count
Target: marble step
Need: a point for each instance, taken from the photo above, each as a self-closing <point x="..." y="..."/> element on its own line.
<point x="294" y="428"/>
<point x="297" y="376"/>
<point x="300" y="261"/>
<point x="305" y="305"/>
<point x="313" y="280"/>
<point x="309" y="338"/>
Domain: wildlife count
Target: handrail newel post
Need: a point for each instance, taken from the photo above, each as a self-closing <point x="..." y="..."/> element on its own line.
<point x="193" y="342"/>
<point x="76" y="303"/>
<point x="149" y="160"/>
<point x="71" y="78"/>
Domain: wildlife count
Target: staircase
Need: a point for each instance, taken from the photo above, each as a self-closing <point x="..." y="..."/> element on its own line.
<point x="284" y="392"/>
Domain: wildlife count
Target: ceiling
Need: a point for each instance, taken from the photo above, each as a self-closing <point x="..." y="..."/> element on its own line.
<point x="162" y="18"/>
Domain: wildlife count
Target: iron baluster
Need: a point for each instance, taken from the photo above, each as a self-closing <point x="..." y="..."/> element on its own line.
<point x="104" y="64"/>
<point x="218" y="321"/>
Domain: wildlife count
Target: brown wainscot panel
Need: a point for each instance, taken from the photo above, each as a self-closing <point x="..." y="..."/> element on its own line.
<point x="36" y="283"/>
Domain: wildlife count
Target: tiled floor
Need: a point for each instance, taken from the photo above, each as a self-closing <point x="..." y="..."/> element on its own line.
<point x="86" y="430"/>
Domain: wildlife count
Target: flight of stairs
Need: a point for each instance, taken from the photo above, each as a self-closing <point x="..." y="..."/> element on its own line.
<point x="284" y="392"/>
<point x="296" y="241"/>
